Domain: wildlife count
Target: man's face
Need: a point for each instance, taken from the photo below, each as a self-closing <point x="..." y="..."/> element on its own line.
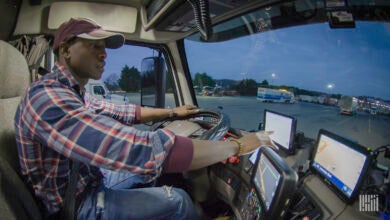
<point x="86" y="58"/>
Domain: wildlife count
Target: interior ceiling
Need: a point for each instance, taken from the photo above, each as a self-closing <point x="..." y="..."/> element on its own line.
<point x="133" y="3"/>
<point x="176" y="23"/>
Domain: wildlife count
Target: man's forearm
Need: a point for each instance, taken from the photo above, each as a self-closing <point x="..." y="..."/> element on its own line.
<point x="210" y="152"/>
<point x="151" y="114"/>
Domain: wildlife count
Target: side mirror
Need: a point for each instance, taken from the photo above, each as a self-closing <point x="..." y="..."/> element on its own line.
<point x="153" y="75"/>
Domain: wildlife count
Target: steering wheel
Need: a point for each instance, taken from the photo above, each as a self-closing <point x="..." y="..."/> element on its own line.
<point x="216" y="127"/>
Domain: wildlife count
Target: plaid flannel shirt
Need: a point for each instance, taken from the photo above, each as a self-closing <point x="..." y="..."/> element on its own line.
<point x="53" y="125"/>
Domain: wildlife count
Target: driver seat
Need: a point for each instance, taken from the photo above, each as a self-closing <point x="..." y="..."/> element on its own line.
<point x="16" y="200"/>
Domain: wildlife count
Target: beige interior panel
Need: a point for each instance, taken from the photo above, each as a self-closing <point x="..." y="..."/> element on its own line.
<point x="29" y="19"/>
<point x="112" y="17"/>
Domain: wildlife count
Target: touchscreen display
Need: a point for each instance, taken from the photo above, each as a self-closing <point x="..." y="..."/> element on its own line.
<point x="274" y="181"/>
<point x="267" y="180"/>
<point x="340" y="162"/>
<point x="283" y="127"/>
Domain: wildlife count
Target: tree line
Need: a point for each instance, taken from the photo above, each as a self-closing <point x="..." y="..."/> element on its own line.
<point x="248" y="87"/>
<point x="130" y="81"/>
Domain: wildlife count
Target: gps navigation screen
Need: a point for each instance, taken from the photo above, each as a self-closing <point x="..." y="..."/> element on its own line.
<point x="266" y="179"/>
<point x="283" y="127"/>
<point x="340" y="163"/>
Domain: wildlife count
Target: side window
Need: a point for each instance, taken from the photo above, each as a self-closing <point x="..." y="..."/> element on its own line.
<point x="98" y="90"/>
<point x="122" y="75"/>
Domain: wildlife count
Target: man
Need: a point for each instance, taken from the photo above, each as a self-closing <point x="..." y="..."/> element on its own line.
<point x="56" y="127"/>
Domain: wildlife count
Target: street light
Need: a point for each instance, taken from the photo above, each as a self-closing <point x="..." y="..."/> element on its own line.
<point x="273" y="75"/>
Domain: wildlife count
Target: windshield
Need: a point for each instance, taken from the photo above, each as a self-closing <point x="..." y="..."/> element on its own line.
<point x="305" y="72"/>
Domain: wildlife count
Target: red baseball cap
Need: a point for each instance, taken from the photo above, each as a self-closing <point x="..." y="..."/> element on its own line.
<point x="86" y="29"/>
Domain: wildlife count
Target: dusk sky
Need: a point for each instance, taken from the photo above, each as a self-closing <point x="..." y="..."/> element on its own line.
<point x="354" y="61"/>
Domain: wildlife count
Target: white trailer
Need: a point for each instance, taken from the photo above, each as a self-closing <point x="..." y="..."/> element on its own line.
<point x="348" y="105"/>
<point x="274" y="95"/>
<point x="305" y="98"/>
<point x="97" y="89"/>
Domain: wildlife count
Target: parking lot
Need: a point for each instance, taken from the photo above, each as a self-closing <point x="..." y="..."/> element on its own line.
<point x="247" y="112"/>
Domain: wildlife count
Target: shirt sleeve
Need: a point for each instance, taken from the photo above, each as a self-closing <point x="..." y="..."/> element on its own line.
<point x="128" y="114"/>
<point x="180" y="157"/>
<point x="60" y="120"/>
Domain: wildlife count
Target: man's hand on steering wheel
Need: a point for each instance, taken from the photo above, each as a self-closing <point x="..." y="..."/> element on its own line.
<point x="215" y="123"/>
<point x="185" y="110"/>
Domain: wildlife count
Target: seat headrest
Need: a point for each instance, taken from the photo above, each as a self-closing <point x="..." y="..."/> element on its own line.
<point x="14" y="72"/>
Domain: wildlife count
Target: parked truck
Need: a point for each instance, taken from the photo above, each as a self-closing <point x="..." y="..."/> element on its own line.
<point x="274" y="95"/>
<point x="97" y="89"/>
<point x="348" y="105"/>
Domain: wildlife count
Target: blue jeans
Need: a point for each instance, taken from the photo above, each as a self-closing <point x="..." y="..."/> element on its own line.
<point x="141" y="203"/>
<point x="122" y="180"/>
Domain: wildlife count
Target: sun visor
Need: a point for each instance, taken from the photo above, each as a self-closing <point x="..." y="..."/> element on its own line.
<point x="116" y="18"/>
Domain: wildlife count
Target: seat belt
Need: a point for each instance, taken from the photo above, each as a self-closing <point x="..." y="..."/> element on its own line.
<point x="68" y="212"/>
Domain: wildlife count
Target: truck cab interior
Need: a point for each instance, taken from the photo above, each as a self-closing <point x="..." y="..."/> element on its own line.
<point x="328" y="166"/>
